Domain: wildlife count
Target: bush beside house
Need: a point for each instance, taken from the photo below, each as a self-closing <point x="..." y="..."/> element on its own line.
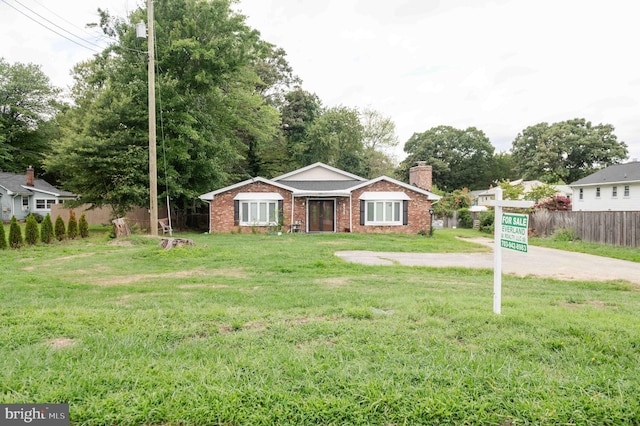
<point x="59" y="229"/>
<point x="46" y="230"/>
<point x="31" y="233"/>
<point x="15" y="234"/>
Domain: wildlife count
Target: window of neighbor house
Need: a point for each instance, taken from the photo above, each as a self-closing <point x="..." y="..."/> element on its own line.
<point x="626" y="190"/>
<point x="581" y="194"/>
<point x="42" y="204"/>
<point x="597" y="192"/>
<point x="614" y="191"/>
<point x="25" y="203"/>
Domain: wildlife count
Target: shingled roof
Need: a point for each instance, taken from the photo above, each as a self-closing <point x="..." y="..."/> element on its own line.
<point x="617" y="173"/>
<point x="17" y="184"/>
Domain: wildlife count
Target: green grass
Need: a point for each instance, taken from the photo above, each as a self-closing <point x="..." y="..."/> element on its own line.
<point x="617" y="252"/>
<point x="266" y="329"/>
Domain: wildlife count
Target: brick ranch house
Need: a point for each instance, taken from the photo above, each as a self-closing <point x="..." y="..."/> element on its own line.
<point x="321" y="198"/>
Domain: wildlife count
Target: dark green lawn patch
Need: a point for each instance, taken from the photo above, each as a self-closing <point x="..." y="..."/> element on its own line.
<point x="266" y="329"/>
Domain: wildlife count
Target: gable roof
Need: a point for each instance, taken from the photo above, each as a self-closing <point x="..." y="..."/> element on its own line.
<point x="617" y="173"/>
<point x="319" y="179"/>
<point x="211" y="195"/>
<point x="430" y="195"/>
<point x="318" y="172"/>
<point x="15" y="184"/>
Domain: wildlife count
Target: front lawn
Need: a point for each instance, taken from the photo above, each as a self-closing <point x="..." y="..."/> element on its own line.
<point x="268" y="329"/>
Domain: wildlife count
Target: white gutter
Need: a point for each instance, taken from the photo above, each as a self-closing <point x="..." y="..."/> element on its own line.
<point x="350" y="214"/>
<point x="293" y="203"/>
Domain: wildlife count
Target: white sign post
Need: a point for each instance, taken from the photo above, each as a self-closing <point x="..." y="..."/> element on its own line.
<point x="508" y="235"/>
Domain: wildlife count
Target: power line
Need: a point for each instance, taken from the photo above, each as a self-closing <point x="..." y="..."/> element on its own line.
<point x="50" y="29"/>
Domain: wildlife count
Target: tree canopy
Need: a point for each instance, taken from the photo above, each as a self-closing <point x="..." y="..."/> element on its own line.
<point x="215" y="110"/>
<point x="566" y="151"/>
<point x="27" y="107"/>
<point x="461" y="158"/>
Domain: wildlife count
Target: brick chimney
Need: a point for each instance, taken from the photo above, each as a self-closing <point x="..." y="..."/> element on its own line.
<point x="30" y="176"/>
<point x="420" y="175"/>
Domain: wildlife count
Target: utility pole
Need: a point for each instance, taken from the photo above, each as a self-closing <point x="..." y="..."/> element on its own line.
<point x="153" y="172"/>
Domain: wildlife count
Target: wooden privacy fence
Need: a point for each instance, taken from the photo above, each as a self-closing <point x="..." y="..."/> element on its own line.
<point x="615" y="228"/>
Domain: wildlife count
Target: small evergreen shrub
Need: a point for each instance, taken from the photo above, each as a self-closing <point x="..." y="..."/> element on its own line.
<point x="83" y="226"/>
<point x="72" y="226"/>
<point x="46" y="230"/>
<point x="465" y="220"/>
<point x="31" y="232"/>
<point x="59" y="229"/>
<point x="15" y="234"/>
<point x="3" y="237"/>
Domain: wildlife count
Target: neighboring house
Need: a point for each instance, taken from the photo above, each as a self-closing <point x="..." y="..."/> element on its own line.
<point x="24" y="194"/>
<point x="321" y="198"/>
<point x="484" y="197"/>
<point x="615" y="188"/>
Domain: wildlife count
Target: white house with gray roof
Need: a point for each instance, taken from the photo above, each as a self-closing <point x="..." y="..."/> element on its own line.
<point x="23" y="194"/>
<point x="615" y="188"/>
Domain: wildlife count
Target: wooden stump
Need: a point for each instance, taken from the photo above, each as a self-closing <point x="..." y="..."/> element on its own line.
<point x="169" y="243"/>
<point x="121" y="228"/>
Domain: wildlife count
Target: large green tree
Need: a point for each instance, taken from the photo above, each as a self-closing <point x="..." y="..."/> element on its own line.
<point x="27" y="107"/>
<point x="461" y="158"/>
<point x="215" y="120"/>
<point x="299" y="110"/>
<point x="335" y="138"/>
<point x="566" y="151"/>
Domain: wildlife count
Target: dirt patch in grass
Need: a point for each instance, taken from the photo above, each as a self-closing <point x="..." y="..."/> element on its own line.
<point x="211" y="286"/>
<point x="198" y="272"/>
<point x="61" y="342"/>
<point x="120" y="243"/>
<point x="334" y="281"/>
<point x="575" y="305"/>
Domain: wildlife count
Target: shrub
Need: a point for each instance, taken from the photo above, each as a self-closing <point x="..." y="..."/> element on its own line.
<point x="59" y="229"/>
<point x="46" y="230"/>
<point x="38" y="217"/>
<point x="31" y="233"/>
<point x="565" y="234"/>
<point x="83" y="226"/>
<point x="3" y="237"/>
<point x="486" y="221"/>
<point x="72" y="226"/>
<point x="557" y="203"/>
<point x="464" y="218"/>
<point x="15" y="234"/>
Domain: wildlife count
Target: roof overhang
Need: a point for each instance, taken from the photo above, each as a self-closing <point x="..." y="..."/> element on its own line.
<point x="209" y="196"/>
<point x="391" y="196"/>
<point x="624" y="182"/>
<point x="257" y="196"/>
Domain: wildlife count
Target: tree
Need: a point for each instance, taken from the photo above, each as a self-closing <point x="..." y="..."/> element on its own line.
<point x="566" y="151"/>
<point x="27" y="107"/>
<point x="83" y="226"/>
<point x="31" y="233"/>
<point x="335" y="138"/>
<point x="460" y="158"/>
<point x="15" y="234"/>
<point x="72" y="226"/>
<point x="59" y="229"/>
<point x="46" y="230"/>
<point x="541" y="192"/>
<point x="299" y="111"/>
<point x="455" y="200"/>
<point x="217" y="122"/>
<point x="511" y="191"/>
<point x="379" y="139"/>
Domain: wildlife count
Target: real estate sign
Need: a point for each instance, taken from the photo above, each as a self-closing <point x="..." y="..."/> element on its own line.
<point x="514" y="232"/>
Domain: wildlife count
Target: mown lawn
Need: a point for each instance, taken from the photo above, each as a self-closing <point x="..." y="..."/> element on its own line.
<point x="266" y="329"/>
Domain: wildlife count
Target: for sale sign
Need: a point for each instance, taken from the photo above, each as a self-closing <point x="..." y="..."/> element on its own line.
<point x="514" y="233"/>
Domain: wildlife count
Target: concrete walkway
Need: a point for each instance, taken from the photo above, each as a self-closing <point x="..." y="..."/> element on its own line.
<point x="539" y="261"/>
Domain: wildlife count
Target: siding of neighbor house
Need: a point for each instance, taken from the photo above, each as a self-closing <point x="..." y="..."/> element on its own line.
<point x="606" y="201"/>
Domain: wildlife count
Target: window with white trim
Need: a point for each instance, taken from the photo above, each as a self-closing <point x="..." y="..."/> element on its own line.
<point x="581" y="194"/>
<point x="25" y="203"/>
<point x="626" y="190"/>
<point x="42" y="204"/>
<point x="597" y="192"/>
<point x="258" y="213"/>
<point x="614" y="192"/>
<point x="383" y="213"/>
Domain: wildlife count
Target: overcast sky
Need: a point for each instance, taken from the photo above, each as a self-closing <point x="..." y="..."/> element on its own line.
<point x="498" y="65"/>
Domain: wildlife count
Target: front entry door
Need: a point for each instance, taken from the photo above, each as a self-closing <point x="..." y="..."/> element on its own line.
<point x="321" y="216"/>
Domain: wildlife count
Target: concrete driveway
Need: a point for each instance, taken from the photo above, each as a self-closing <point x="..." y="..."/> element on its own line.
<point x="539" y="261"/>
